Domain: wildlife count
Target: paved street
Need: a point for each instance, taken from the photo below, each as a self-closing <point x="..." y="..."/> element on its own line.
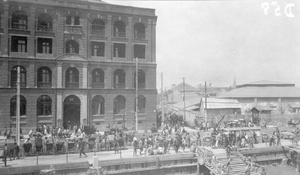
<point x="57" y="159"/>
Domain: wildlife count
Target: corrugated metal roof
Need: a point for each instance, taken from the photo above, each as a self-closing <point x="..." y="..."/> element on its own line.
<point x="188" y="103"/>
<point x="223" y="106"/>
<point x="253" y="92"/>
<point x="212" y="103"/>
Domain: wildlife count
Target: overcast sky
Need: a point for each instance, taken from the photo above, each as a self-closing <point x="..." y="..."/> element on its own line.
<point x="214" y="41"/>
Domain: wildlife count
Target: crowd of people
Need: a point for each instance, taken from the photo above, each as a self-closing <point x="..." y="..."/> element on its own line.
<point x="221" y="139"/>
<point x="171" y="136"/>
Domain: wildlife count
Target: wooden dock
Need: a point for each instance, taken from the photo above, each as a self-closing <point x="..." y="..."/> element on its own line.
<point x="216" y="160"/>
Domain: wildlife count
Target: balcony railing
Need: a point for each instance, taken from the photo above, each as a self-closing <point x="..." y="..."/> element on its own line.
<point x="98" y="32"/>
<point x="73" y="29"/>
<point x="139" y="36"/>
<point x="120" y="34"/>
<point x="44" y="28"/>
<point x="44" y="84"/>
<point x="19" y="26"/>
<point x="98" y="85"/>
<point x="141" y="86"/>
<point x="119" y="85"/>
<point x="14" y="84"/>
<point x="72" y="85"/>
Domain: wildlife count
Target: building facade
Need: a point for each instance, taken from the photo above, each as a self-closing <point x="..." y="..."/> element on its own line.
<point x="77" y="63"/>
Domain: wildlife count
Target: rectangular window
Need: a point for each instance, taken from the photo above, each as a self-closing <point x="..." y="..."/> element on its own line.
<point x="98" y="49"/>
<point x="44" y="46"/>
<point x="119" y="50"/>
<point x="139" y="51"/>
<point x="19" y="44"/>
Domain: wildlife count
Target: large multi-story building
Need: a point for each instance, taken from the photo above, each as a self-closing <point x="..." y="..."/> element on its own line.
<point x="77" y="63"/>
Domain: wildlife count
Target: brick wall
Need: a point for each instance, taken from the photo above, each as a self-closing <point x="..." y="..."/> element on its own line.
<point x="32" y="64"/>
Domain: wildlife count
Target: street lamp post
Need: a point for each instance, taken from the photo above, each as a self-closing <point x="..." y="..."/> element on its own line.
<point x="18" y="107"/>
<point x="136" y="94"/>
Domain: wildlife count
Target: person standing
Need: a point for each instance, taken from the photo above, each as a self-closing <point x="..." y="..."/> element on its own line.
<point x="81" y="148"/>
<point x="5" y="132"/>
<point x="228" y="151"/>
<point x="16" y="151"/>
<point x="135" y="144"/>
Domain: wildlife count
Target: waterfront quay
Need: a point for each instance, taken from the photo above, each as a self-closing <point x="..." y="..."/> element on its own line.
<point x="112" y="163"/>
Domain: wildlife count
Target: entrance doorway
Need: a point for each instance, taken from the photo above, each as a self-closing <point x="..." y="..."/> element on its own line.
<point x="71" y="116"/>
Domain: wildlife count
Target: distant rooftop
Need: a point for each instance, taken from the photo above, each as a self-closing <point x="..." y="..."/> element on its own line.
<point x="95" y="1"/>
<point x="186" y="87"/>
<point x="212" y="103"/>
<point x="264" y="83"/>
<point x="263" y="91"/>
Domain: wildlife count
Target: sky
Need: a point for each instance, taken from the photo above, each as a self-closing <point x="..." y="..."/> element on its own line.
<point x="215" y="41"/>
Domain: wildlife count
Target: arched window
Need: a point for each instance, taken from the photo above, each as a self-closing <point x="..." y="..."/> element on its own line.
<point x="119" y="29"/>
<point x="98" y="78"/>
<point x="141" y="79"/>
<point x="139" y="31"/>
<point x="45" y="22"/>
<point x="141" y="104"/>
<point x="119" y="79"/>
<point x="44" y="77"/>
<point x="44" y="104"/>
<point x="19" y="20"/>
<point x="13" y="106"/>
<point x="69" y="20"/>
<point x="72" y="77"/>
<point x="72" y="46"/>
<point x="14" y="76"/>
<point x="98" y="105"/>
<point x="119" y="105"/>
<point x="98" y="27"/>
<point x="76" y="20"/>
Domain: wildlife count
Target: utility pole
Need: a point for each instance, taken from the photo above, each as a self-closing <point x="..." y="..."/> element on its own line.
<point x="184" y="117"/>
<point x="136" y="94"/>
<point x="18" y="107"/>
<point x="205" y="111"/>
<point x="167" y="102"/>
<point x="172" y="95"/>
<point x="162" y="99"/>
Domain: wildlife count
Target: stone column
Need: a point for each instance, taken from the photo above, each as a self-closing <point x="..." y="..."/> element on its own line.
<point x="108" y="78"/>
<point x="153" y="42"/>
<point x="84" y="76"/>
<point x="59" y="107"/>
<point x="129" y="55"/>
<point x="59" y="75"/>
<point x="83" y="109"/>
<point x="255" y="101"/>
<point x="31" y="76"/>
<point x="4" y="77"/>
<point x="108" y="44"/>
<point x="129" y="77"/>
<point x="148" y="38"/>
<point x="31" y="40"/>
<point x="5" y="44"/>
